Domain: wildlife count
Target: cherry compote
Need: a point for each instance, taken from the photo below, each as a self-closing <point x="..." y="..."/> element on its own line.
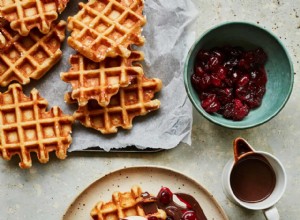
<point x="230" y="80"/>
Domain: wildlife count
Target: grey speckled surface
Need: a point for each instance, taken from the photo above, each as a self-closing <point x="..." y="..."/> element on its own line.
<point x="50" y="188"/>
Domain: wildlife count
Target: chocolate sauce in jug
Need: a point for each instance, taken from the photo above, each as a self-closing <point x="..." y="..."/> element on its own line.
<point x="252" y="178"/>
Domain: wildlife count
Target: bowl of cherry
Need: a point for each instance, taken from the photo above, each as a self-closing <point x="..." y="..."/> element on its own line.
<point x="238" y="75"/>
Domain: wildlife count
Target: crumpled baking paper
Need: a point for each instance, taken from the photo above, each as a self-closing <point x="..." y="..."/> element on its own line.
<point x="169" y="35"/>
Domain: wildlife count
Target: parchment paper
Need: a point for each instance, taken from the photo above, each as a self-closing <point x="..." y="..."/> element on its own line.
<point x="167" y="44"/>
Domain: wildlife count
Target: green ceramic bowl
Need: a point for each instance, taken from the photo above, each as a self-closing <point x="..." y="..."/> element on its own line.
<point x="279" y="70"/>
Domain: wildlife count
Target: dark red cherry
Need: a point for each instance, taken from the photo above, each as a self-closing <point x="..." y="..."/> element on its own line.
<point x="215" y="80"/>
<point x="189" y="215"/>
<point x="203" y="55"/>
<point x="243" y="64"/>
<point x="211" y="104"/>
<point x="214" y="62"/>
<point x="221" y="72"/>
<point x="152" y="218"/>
<point x="165" y="195"/>
<point x="199" y="71"/>
<point x="243" y="80"/>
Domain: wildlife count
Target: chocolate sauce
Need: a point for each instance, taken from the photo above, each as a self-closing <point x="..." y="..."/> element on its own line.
<point x="252" y="179"/>
<point x="149" y="207"/>
<point x="176" y="211"/>
<point x="192" y="204"/>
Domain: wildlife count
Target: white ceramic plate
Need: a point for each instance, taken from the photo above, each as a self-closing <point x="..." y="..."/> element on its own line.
<point x="151" y="179"/>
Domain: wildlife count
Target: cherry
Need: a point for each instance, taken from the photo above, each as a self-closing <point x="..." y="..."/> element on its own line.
<point x="221" y="72"/>
<point x="189" y="215"/>
<point x="205" y="95"/>
<point x="203" y="55"/>
<point x="152" y="218"/>
<point x="244" y="80"/>
<point x="224" y="95"/>
<point x="215" y="80"/>
<point x="233" y="62"/>
<point x="201" y="83"/>
<point x="235" y="110"/>
<point x="211" y="104"/>
<point x="214" y="62"/>
<point x="199" y="71"/>
<point x="165" y="195"/>
<point x="205" y="81"/>
<point x="243" y="64"/>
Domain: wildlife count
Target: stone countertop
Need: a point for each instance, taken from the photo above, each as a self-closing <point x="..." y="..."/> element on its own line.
<point x="45" y="191"/>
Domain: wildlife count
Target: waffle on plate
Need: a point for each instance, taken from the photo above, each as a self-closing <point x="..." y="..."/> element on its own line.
<point x="122" y="205"/>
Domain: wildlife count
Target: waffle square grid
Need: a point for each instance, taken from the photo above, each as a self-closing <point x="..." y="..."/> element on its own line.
<point x="26" y="126"/>
<point x="100" y="81"/>
<point x="124" y="204"/>
<point x="131" y="101"/>
<point x="22" y="58"/>
<point x="106" y="28"/>
<point x="24" y="15"/>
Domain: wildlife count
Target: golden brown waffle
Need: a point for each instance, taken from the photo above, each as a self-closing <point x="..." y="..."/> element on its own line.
<point x="25" y="15"/>
<point x="106" y="28"/>
<point x="26" y="127"/>
<point x="129" y="102"/>
<point x="22" y="58"/>
<point x="123" y="205"/>
<point x="100" y="81"/>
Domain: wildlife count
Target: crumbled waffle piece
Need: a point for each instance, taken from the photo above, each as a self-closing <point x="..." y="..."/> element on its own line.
<point x="100" y="81"/>
<point x="106" y="28"/>
<point x="129" y="102"/>
<point x="123" y="205"/>
<point x="26" y="127"/>
<point x="25" y="15"/>
<point x="22" y="58"/>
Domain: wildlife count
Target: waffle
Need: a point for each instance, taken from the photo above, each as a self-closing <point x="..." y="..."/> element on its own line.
<point x="123" y="205"/>
<point x="100" y="81"/>
<point x="26" y="127"/>
<point x="22" y="58"/>
<point x="129" y="102"/>
<point x="106" y="28"/>
<point x="25" y="15"/>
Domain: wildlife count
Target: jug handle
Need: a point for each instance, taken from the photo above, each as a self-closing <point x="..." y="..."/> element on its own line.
<point x="271" y="213"/>
<point x="241" y="148"/>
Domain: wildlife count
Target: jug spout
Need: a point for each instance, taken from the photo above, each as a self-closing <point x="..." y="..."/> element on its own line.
<point x="241" y="148"/>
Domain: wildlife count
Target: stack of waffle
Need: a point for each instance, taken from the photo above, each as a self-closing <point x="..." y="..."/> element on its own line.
<point x="30" y="43"/>
<point x="108" y="83"/>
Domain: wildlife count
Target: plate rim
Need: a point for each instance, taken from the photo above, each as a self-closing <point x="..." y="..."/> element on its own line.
<point x="159" y="167"/>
